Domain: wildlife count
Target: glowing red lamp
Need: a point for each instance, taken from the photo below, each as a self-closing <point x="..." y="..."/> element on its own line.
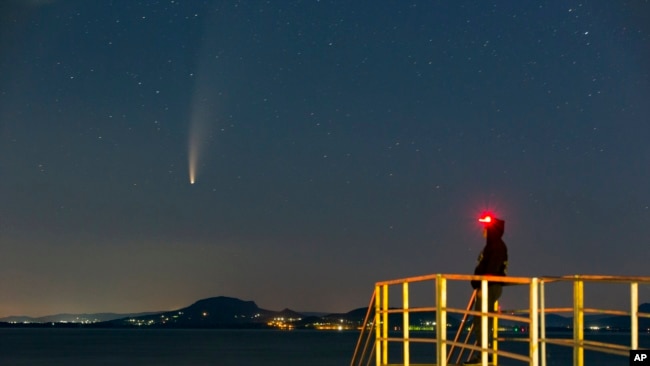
<point x="485" y="219"/>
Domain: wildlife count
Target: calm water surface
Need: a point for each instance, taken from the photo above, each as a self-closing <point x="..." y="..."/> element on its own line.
<point x="54" y="347"/>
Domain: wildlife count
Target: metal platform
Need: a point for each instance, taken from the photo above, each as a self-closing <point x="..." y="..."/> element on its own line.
<point x="376" y="332"/>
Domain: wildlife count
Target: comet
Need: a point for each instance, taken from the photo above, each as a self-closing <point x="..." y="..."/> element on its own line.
<point x="193" y="157"/>
<point x="203" y="111"/>
<point x="199" y="131"/>
<point x="202" y="119"/>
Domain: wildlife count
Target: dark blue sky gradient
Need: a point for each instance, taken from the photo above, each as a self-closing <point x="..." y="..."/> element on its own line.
<point x="347" y="143"/>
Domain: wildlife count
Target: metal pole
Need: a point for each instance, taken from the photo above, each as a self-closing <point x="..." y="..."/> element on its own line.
<point x="484" y="322"/>
<point x="441" y="320"/>
<point x="534" y="326"/>
<point x="495" y="334"/>
<point x="634" y="314"/>
<point x="542" y="319"/>
<point x="384" y="327"/>
<point x="378" y="302"/>
<point x="578" y="322"/>
<point x="405" y="325"/>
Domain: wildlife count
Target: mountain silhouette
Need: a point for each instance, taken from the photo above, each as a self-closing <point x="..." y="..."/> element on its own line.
<point x="214" y="312"/>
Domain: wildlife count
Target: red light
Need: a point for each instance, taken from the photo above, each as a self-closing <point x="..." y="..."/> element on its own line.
<point x="485" y="219"/>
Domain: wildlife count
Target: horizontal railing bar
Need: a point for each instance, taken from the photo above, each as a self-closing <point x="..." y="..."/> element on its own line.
<point x="492" y="315"/>
<point x="514" y="356"/>
<point x="586" y="342"/>
<point x="558" y="310"/>
<point x="421" y="340"/>
<point x="392" y="311"/>
<point x="605" y="311"/>
<point x="515" y="339"/>
<point x="458" y="277"/>
<point x="592" y="346"/>
<point x="559" y="341"/>
<point x="546" y="310"/>
<point x="599" y="278"/>
<point x="456" y="344"/>
<point x="519" y="280"/>
<point x="408" y="279"/>
<point x="497" y="315"/>
<point x="513" y="318"/>
<point x="586" y="311"/>
<point x="505" y="315"/>
<point x="607" y="350"/>
<point x="416" y="309"/>
<point x="502" y="279"/>
<point x="410" y="310"/>
<point x="390" y="339"/>
<point x="598" y="344"/>
<point x="458" y="311"/>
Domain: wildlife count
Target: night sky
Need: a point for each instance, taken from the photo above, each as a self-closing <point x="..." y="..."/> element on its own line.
<point x="334" y="143"/>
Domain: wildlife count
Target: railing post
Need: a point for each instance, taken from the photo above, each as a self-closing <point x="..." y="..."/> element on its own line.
<point x="495" y="334"/>
<point x="378" y="301"/>
<point x="542" y="321"/>
<point x="634" y="314"/>
<point x="405" y="322"/>
<point x="484" y="322"/>
<point x="534" y="325"/>
<point x="441" y="320"/>
<point x="384" y="326"/>
<point x="578" y="322"/>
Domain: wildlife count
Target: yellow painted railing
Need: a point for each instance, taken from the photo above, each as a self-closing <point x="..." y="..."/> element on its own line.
<point x="533" y="318"/>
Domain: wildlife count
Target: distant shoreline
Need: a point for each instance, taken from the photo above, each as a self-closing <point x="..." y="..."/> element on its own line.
<point x="55" y="325"/>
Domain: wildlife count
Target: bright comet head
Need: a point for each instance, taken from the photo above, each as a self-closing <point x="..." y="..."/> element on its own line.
<point x="193" y="161"/>
<point x="192" y="169"/>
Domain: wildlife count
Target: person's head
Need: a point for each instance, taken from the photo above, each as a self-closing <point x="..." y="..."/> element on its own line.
<point x="493" y="228"/>
<point x="496" y="229"/>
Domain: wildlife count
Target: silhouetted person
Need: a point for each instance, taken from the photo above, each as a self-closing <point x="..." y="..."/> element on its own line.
<point x="493" y="261"/>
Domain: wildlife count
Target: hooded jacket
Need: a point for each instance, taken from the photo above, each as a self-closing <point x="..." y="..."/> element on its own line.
<point x="493" y="259"/>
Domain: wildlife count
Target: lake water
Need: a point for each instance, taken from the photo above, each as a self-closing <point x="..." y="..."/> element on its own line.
<point x="56" y="347"/>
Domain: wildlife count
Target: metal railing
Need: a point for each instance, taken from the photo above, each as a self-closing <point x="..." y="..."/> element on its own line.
<point x="533" y="318"/>
<point x="578" y="310"/>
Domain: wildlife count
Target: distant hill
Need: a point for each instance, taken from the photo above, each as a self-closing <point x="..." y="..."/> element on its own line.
<point x="215" y="312"/>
